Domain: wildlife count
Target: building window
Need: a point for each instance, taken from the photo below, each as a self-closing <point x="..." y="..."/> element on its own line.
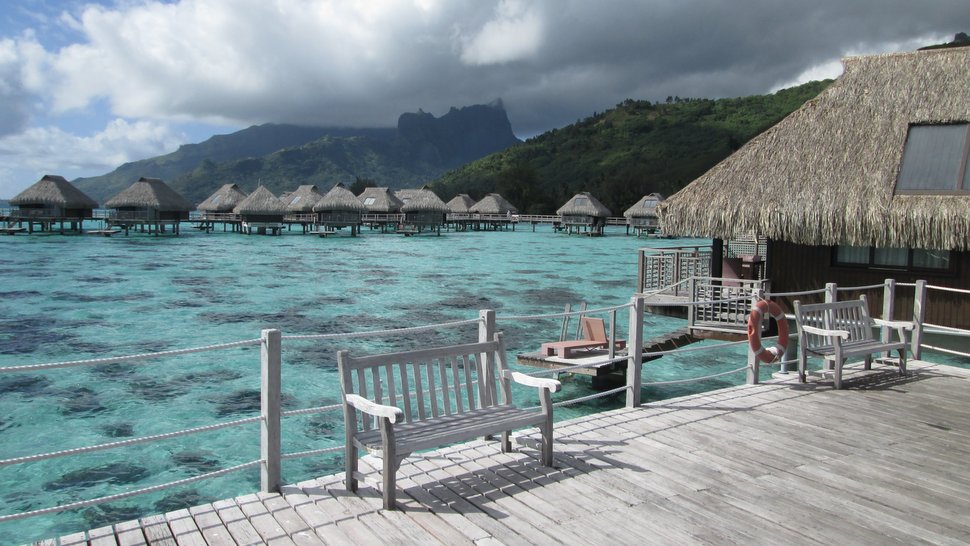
<point x="903" y="259"/>
<point x="935" y="159"/>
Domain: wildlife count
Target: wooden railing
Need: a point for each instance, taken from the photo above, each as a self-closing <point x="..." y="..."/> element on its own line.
<point x="666" y="270"/>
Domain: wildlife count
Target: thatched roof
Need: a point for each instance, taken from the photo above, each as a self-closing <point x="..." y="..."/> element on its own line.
<point x="380" y="200"/>
<point x="646" y="207"/>
<point x="583" y="204"/>
<point x="150" y="193"/>
<point x="303" y="199"/>
<point x="460" y="203"/>
<point x="423" y="200"/>
<point x="261" y="202"/>
<point x="339" y="198"/>
<point x="224" y="199"/>
<point x="493" y="203"/>
<point x="54" y="190"/>
<point x="825" y="175"/>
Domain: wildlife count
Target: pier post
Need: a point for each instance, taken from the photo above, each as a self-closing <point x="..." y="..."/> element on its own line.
<point x="754" y="365"/>
<point x="831" y="292"/>
<point x="919" y="315"/>
<point x="635" y="352"/>
<point x="888" y="302"/>
<point x="486" y="332"/>
<point x="270" y="388"/>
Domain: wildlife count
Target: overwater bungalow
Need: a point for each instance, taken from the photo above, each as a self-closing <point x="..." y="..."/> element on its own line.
<point x="299" y="206"/>
<point x="584" y="213"/>
<point x="869" y="180"/>
<point x="339" y="208"/>
<point x="423" y="210"/>
<point x="494" y="211"/>
<point x="383" y="208"/>
<point x="150" y="205"/>
<point x="218" y="206"/>
<point x="51" y="200"/>
<point x="642" y="216"/>
<point x="261" y="211"/>
<point x="460" y="204"/>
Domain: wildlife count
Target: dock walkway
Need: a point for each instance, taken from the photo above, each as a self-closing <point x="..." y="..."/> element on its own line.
<point x="883" y="461"/>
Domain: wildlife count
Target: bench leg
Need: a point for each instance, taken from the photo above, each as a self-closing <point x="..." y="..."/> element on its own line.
<point x="546" y="427"/>
<point x="506" y="441"/>
<point x="902" y="361"/>
<point x="350" y="464"/>
<point x="837" y="374"/>
<point x="390" y="461"/>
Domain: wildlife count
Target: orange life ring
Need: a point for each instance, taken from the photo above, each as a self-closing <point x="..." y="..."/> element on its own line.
<point x="773" y="310"/>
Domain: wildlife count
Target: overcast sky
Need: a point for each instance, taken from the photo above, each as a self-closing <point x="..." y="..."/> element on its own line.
<point x="88" y="85"/>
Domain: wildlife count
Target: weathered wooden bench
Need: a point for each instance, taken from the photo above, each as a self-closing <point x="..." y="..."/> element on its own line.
<point x="398" y="403"/>
<point x="840" y="330"/>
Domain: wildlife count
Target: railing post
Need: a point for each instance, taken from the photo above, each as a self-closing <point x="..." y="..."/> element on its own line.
<point x="486" y="325"/>
<point x="270" y="388"/>
<point x="888" y="302"/>
<point x="691" y="308"/>
<point x="754" y="364"/>
<point x="635" y="351"/>
<point x="919" y="316"/>
<point x="831" y="292"/>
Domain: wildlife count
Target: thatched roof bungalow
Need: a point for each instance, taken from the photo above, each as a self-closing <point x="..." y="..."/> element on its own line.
<point x="261" y="211"/>
<point x="339" y="207"/>
<point x="224" y="199"/>
<point x="460" y="204"/>
<point x="868" y="180"/>
<point x="302" y="200"/>
<point x="584" y="212"/>
<point x="149" y="200"/>
<point x="53" y="197"/>
<point x="422" y="208"/>
<point x="380" y="201"/>
<point x="643" y="215"/>
<point x="494" y="203"/>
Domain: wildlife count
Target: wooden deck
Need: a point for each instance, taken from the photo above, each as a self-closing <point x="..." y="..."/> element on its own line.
<point x="882" y="461"/>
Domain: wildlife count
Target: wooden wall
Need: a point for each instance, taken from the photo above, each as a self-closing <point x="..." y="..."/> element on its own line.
<point x="794" y="268"/>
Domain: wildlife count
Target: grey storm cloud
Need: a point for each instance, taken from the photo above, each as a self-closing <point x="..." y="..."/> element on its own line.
<point x="551" y="61"/>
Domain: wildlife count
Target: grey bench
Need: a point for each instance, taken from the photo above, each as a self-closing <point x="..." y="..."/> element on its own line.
<point x="840" y="330"/>
<point x="398" y="403"/>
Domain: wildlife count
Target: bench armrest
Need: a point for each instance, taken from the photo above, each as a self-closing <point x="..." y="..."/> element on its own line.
<point x="897" y="324"/>
<point x="822" y="332"/>
<point x="377" y="410"/>
<point x="529" y="381"/>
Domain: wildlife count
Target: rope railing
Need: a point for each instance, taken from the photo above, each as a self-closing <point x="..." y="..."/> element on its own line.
<point x="129" y="358"/>
<point x="378" y="333"/>
<point x="129" y="442"/>
<point x="598" y="310"/>
<point x="129" y="494"/>
<point x="859" y="288"/>
<point x="944" y="350"/>
<point x="790" y="294"/>
<point x="947" y="289"/>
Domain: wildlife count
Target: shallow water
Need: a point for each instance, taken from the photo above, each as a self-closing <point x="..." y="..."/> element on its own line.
<point x="76" y="297"/>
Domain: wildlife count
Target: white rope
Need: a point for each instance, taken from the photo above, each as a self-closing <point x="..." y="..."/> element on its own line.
<point x="372" y="333"/>
<point x="942" y="350"/>
<point x="123" y="443"/>
<point x="307" y="411"/>
<point x="789" y="294"/>
<point x="697" y="348"/>
<point x="582" y="398"/>
<point x="906" y="285"/>
<point x="855" y="288"/>
<point x="120" y="496"/>
<point x="311" y="453"/>
<point x="596" y="311"/>
<point x="945" y="328"/>
<point x="143" y="356"/>
<point x="948" y="289"/>
<point x="693" y="379"/>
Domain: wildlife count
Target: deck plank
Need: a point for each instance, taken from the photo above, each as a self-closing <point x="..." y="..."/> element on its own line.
<point x="881" y="461"/>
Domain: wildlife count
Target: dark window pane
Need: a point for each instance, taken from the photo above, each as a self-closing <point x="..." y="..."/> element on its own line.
<point x="852" y="255"/>
<point x="931" y="259"/>
<point x="932" y="157"/>
<point x="891" y="256"/>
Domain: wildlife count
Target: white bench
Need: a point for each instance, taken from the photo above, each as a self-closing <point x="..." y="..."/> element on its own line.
<point x="399" y="403"/>
<point x="840" y="330"/>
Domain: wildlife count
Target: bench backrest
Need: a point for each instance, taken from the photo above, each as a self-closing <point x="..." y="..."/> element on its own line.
<point x="428" y="383"/>
<point x="594" y="329"/>
<point x="849" y="315"/>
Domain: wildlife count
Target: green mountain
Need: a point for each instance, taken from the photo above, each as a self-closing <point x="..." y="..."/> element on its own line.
<point x="636" y="148"/>
<point x="282" y="157"/>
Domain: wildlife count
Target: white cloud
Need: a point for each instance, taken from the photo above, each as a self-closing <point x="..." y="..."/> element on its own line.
<point x="50" y="150"/>
<point x="514" y="34"/>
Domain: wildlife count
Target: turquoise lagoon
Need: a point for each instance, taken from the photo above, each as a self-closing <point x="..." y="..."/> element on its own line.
<point x="77" y="297"/>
